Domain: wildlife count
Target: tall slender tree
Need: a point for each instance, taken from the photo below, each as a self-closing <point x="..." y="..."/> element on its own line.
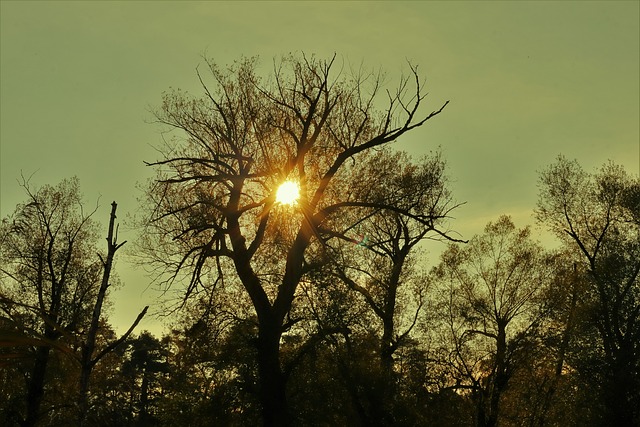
<point x="379" y="260"/>
<point x="88" y="359"/>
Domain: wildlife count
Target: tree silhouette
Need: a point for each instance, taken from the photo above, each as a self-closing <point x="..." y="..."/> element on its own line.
<point x="53" y="290"/>
<point x="385" y="272"/>
<point x="88" y="359"/>
<point x="213" y="200"/>
<point x="490" y="293"/>
<point x="145" y="362"/>
<point x="597" y="216"/>
<point x="48" y="271"/>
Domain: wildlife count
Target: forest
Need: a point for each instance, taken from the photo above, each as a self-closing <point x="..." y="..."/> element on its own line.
<point x="316" y="306"/>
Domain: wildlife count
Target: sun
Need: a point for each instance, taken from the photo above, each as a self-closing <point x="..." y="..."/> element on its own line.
<point x="288" y="193"/>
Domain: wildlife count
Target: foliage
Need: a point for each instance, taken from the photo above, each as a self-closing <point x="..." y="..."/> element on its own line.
<point x="490" y="292"/>
<point x="53" y="288"/>
<point x="597" y="216"/>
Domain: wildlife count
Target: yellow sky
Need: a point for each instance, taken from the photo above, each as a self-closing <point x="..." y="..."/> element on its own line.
<point x="527" y="81"/>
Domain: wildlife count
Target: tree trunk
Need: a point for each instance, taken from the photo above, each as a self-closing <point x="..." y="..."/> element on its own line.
<point x="272" y="381"/>
<point x="621" y="393"/>
<point x="88" y="361"/>
<point x="480" y="397"/>
<point x="385" y="408"/>
<point x="564" y="345"/>
<point x="88" y="346"/>
<point x="83" y="402"/>
<point x="382" y="409"/>
<point x="387" y="350"/>
<point x="143" y="417"/>
<point x="489" y="396"/>
<point x="350" y="385"/>
<point x="501" y="376"/>
<point x="35" y="392"/>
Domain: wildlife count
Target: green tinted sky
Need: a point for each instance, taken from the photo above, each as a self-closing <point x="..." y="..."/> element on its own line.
<point x="527" y="81"/>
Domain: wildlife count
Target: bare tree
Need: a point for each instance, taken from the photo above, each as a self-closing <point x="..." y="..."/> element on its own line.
<point x="214" y="196"/>
<point x="87" y="357"/>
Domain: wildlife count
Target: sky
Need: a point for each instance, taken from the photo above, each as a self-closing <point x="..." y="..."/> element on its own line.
<point x="526" y="81"/>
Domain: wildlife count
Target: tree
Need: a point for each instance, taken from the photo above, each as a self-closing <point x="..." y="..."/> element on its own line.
<point x="545" y="389"/>
<point x="384" y="271"/>
<point x="490" y="296"/>
<point x="53" y="291"/>
<point x="597" y="217"/>
<point x="144" y="363"/>
<point x="214" y="196"/>
<point x="212" y="368"/>
<point x="108" y="397"/>
<point x="87" y="358"/>
<point x="49" y="276"/>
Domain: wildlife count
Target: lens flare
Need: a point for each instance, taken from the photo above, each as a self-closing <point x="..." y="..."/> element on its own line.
<point x="288" y="193"/>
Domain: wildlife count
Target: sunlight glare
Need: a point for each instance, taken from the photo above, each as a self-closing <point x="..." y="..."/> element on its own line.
<point x="288" y="193"/>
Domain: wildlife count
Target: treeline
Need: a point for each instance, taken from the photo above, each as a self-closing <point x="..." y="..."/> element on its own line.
<point x="322" y="312"/>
